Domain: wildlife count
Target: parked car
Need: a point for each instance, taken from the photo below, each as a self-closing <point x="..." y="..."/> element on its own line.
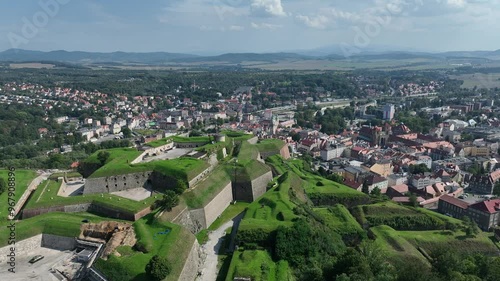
<point x="36" y="258"/>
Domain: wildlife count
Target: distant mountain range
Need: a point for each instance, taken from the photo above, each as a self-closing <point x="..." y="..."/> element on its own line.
<point x="19" y="55"/>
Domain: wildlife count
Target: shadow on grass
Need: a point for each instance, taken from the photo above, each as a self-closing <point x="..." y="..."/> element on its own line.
<point x="224" y="269"/>
<point x="141" y="277"/>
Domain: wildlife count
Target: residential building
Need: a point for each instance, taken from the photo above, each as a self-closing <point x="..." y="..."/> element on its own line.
<point x="484" y="184"/>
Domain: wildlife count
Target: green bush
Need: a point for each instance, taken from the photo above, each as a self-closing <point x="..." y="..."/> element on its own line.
<point x="255" y="236"/>
<point x="158" y="268"/>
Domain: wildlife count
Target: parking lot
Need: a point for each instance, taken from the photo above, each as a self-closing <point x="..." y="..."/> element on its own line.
<point x="38" y="271"/>
<point x="471" y="198"/>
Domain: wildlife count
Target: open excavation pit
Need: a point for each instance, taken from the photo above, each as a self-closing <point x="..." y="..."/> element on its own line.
<point x="112" y="234"/>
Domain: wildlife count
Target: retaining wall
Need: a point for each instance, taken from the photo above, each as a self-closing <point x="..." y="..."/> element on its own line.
<point x="116" y="183"/>
<point x="23" y="247"/>
<point x="88" y="207"/>
<point x="56" y="242"/>
<point x="259" y="185"/>
<point x="193" y="263"/>
<point x="28" y="246"/>
<point x="207" y="215"/>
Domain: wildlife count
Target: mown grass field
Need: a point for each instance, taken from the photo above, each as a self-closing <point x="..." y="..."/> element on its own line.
<point x="259" y="266"/>
<point x="22" y="180"/>
<point x="175" y="246"/>
<point x="46" y="196"/>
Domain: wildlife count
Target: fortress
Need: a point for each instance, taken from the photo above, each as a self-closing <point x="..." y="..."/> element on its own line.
<point x="241" y="181"/>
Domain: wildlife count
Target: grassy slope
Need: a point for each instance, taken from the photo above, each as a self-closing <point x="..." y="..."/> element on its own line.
<point x="175" y="246"/>
<point x="56" y="223"/>
<point x="205" y="191"/>
<point x="339" y="219"/>
<point x="46" y="196"/>
<point x="270" y="145"/>
<point x="272" y="210"/>
<point x="160" y="142"/>
<point x="119" y="159"/>
<point x="22" y="180"/>
<point x="259" y="266"/>
<point x="406" y="242"/>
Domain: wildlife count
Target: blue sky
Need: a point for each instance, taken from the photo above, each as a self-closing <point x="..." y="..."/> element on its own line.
<point x="218" y="26"/>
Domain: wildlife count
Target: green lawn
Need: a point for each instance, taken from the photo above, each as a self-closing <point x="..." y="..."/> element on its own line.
<point x="205" y="191"/>
<point x="247" y="153"/>
<point x="232" y="211"/>
<point x="237" y="135"/>
<point x="22" y="179"/>
<point x="46" y="196"/>
<point x="338" y="219"/>
<point x="273" y="209"/>
<point x="56" y="223"/>
<point x="117" y="163"/>
<point x="270" y="145"/>
<point x="407" y="242"/>
<point x="55" y="176"/>
<point x="119" y="160"/>
<point x="160" y="142"/>
<point x="259" y="266"/>
<point x="202" y="139"/>
<point x="175" y="246"/>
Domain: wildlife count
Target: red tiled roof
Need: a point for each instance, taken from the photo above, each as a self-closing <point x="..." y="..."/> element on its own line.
<point x="488" y="206"/>
<point x="454" y="201"/>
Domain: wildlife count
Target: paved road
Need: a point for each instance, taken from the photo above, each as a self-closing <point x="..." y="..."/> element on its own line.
<point x="212" y="247"/>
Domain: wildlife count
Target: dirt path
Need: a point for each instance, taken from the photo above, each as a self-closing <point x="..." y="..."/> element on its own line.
<point x="212" y="247"/>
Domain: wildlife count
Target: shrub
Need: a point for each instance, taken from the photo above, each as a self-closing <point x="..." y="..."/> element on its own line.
<point x="158" y="268"/>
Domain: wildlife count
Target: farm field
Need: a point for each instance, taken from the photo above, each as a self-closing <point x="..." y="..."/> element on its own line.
<point x="480" y="80"/>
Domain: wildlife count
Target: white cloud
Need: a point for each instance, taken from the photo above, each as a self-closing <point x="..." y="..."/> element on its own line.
<point x="265" y="25"/>
<point x="236" y="28"/>
<point x="267" y="8"/>
<point x="457" y="3"/>
<point x="318" y="21"/>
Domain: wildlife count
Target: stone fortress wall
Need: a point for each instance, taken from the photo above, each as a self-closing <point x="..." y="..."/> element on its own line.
<point x="27" y="246"/>
<point x="88" y="207"/>
<point x="207" y="215"/>
<point x="116" y="183"/>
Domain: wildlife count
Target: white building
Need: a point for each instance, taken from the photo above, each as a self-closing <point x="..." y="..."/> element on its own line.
<point x="389" y="112"/>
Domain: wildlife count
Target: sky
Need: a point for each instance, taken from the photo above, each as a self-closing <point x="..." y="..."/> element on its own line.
<point x="221" y="26"/>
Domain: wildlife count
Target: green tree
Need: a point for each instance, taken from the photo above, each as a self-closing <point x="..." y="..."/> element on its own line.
<point x="413" y="200"/>
<point x="365" y="189"/>
<point x="496" y="189"/>
<point x="3" y="186"/>
<point x="376" y="192"/>
<point x="103" y="156"/>
<point x="470" y="227"/>
<point x="158" y="268"/>
<point x="127" y="133"/>
<point x="170" y="200"/>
